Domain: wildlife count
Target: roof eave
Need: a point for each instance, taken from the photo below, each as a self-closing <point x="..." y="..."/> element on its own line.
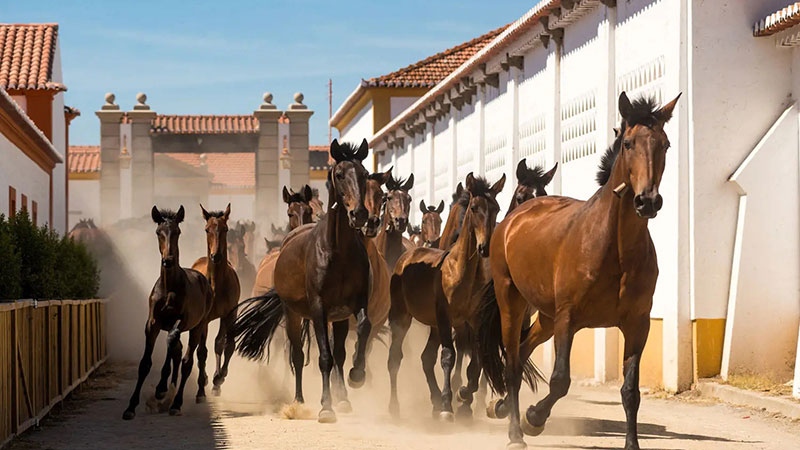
<point x="348" y="103"/>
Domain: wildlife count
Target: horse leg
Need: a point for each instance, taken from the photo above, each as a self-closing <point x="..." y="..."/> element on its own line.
<point x="202" y="377"/>
<point x="150" y="333"/>
<point x="219" y="348"/>
<point x="320" y="320"/>
<point x="512" y="309"/>
<point x="173" y="337"/>
<point x="536" y="416"/>
<point x="447" y="360"/>
<point x="428" y="358"/>
<point x="186" y="369"/>
<point x="174" y="349"/>
<point x="465" y="393"/>
<point x="635" y="339"/>
<point x="294" y="331"/>
<point x="358" y="373"/>
<point x="228" y="347"/>
<point x="399" y="322"/>
<point x="461" y="348"/>
<point x="340" y="330"/>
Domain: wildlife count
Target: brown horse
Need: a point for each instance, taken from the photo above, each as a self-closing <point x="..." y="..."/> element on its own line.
<point x="415" y="235"/>
<point x="436" y="287"/>
<point x="322" y="273"/>
<point x="390" y="240"/>
<point x="532" y="183"/>
<point x="179" y="302"/>
<point x="454" y="218"/>
<point x="239" y="260"/>
<point x="431" y="223"/>
<point x="225" y="284"/>
<point x="581" y="265"/>
<point x="317" y="208"/>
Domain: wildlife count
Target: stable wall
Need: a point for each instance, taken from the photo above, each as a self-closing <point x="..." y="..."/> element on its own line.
<point x="26" y="177"/>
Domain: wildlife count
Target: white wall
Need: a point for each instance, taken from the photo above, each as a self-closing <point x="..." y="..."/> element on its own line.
<point x="21" y="173"/>
<point x="359" y="128"/>
<point x="399" y="104"/>
<point x="84" y="201"/>
<point x="59" y="142"/>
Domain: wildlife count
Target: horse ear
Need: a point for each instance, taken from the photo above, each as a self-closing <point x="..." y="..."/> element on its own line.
<point x="286" y="195"/>
<point x="470" y="181"/>
<point x="206" y="215"/>
<point x="386" y="175"/>
<point x="459" y="189"/>
<point x="180" y="215"/>
<point x="336" y="151"/>
<point x="617" y="131"/>
<point x="274" y="230"/>
<point x="156" y="215"/>
<point x="307" y="193"/>
<point x="665" y="113"/>
<point x="522" y="169"/>
<point x="363" y="150"/>
<point x="625" y="107"/>
<point x="498" y="186"/>
<point x="441" y="207"/>
<point x="409" y="183"/>
<point x="227" y="213"/>
<point x="422" y="207"/>
<point x="548" y="177"/>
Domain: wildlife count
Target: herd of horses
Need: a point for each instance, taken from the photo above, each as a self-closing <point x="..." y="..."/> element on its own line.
<point x="491" y="291"/>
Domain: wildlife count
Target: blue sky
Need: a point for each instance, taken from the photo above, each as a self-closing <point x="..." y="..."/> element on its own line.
<point x="218" y="57"/>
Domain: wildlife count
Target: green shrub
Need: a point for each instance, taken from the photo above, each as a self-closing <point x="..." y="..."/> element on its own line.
<point x="37" y="263"/>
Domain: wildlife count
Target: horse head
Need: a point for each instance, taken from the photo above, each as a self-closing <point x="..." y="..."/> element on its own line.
<point x="168" y="231"/>
<point x="217" y="233"/>
<point x="483" y="209"/>
<point x="348" y="180"/>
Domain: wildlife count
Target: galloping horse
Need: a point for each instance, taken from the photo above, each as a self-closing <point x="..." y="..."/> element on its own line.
<point x="454" y="218"/>
<point x="322" y="274"/>
<point x="225" y="284"/>
<point x="180" y="301"/>
<point x="415" y="235"/>
<point x="532" y="183"/>
<point x="390" y="241"/>
<point x="436" y="287"/>
<point x="238" y="256"/>
<point x="580" y="265"/>
<point x="431" y="223"/>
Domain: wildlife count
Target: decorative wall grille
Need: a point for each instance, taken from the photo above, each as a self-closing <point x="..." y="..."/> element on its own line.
<point x="533" y="140"/>
<point x="578" y="126"/>
<point x="495" y="158"/>
<point x="645" y="80"/>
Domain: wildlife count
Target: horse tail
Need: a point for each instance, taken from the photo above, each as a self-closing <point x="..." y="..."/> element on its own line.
<point x="490" y="345"/>
<point x="256" y="326"/>
<point x="305" y="335"/>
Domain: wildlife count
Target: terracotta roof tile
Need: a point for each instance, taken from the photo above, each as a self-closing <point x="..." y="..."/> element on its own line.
<point x="27" y="52"/>
<point x="84" y="158"/>
<point x="228" y="170"/>
<point x="434" y="69"/>
<point x="192" y="124"/>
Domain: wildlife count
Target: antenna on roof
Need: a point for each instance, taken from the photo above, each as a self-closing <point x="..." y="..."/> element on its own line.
<point x="330" y="109"/>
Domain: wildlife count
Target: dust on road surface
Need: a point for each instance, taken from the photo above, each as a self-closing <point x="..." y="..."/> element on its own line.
<point x="245" y="418"/>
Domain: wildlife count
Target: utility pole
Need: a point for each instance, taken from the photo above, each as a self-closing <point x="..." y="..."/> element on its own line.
<point x="330" y="110"/>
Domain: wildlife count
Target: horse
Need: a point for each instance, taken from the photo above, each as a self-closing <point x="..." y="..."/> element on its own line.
<point x="247" y="228"/>
<point x="580" y="264"/>
<point x="454" y="218"/>
<point x="531" y="184"/>
<point x="179" y="301"/>
<point x="238" y="256"/>
<point x="226" y="287"/>
<point x="317" y="208"/>
<point x="431" y="223"/>
<point x="436" y="287"/>
<point x="415" y="235"/>
<point x="322" y="273"/>
<point x="390" y="240"/>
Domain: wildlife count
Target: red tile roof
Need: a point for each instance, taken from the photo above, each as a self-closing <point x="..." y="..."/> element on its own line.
<point x="228" y="170"/>
<point x="433" y="69"/>
<point x="27" y="52"/>
<point x="84" y="158"/>
<point x="175" y="124"/>
<point x="778" y="21"/>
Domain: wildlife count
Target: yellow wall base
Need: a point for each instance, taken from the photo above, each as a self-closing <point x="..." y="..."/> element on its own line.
<point x="707" y="339"/>
<point x="651" y="368"/>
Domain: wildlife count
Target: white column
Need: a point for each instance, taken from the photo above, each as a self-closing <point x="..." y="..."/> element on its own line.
<point x="430" y="131"/>
<point x="480" y="160"/>
<point x="454" y="144"/>
<point x="513" y="150"/>
<point x="553" y="119"/>
<point x="606" y="340"/>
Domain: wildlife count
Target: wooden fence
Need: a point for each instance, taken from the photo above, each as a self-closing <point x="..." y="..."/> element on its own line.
<point x="47" y="348"/>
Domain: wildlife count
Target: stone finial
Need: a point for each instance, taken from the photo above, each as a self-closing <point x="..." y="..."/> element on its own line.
<point x="267" y="101"/>
<point x="110" y="97"/>
<point x="140" y="105"/>
<point x="298" y="101"/>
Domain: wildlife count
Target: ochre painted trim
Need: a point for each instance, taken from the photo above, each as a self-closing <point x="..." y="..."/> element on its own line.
<point x="84" y="175"/>
<point x="381" y="95"/>
<point x="708" y="336"/>
<point x="581" y="357"/>
<point x="651" y="368"/>
<point x="317" y="174"/>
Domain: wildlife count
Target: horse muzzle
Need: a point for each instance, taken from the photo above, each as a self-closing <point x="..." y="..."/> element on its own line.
<point x="647" y="206"/>
<point x="483" y="250"/>
<point x="372" y="226"/>
<point x="216" y="258"/>
<point x="358" y="217"/>
<point x="400" y="224"/>
<point x="167" y="263"/>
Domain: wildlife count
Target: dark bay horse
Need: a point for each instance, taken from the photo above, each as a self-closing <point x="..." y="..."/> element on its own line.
<point x="238" y="256"/>
<point x="531" y="183"/>
<point x="324" y="275"/>
<point x="431" y="224"/>
<point x="580" y="264"/>
<point x="437" y="288"/>
<point x="454" y="218"/>
<point x="180" y="301"/>
<point x="390" y="240"/>
<point x="226" y="288"/>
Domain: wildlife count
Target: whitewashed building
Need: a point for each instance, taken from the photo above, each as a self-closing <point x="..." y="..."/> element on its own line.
<point x="728" y="294"/>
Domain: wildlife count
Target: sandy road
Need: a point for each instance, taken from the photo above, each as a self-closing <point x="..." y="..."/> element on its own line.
<point x="245" y="418"/>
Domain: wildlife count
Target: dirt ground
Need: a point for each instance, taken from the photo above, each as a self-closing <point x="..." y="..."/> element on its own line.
<point x="248" y="416"/>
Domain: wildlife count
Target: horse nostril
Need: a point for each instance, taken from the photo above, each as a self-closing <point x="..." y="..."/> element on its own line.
<point x="638" y="201"/>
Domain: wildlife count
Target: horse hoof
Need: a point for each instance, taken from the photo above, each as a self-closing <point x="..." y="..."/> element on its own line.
<point x="496" y="409"/>
<point x="128" y="415"/>
<point x="356" y="378"/>
<point x="216" y="390"/>
<point x="527" y="428"/>
<point x="344" y="406"/>
<point x="174" y="412"/>
<point x="160" y="395"/>
<point x="447" y="416"/>
<point x="327" y="416"/>
<point x="462" y="394"/>
<point x="516" y="446"/>
<point x="200" y="399"/>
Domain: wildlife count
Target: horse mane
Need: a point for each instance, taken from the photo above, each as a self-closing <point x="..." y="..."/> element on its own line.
<point x="349" y="151"/>
<point x="532" y="177"/>
<point x="431" y="209"/>
<point x="168" y="214"/>
<point x="480" y="188"/>
<point x="296" y="197"/>
<point x="217" y="214"/>
<point x="415" y="229"/>
<point x="315" y="192"/>
<point x="643" y="112"/>
<point x="87" y="224"/>
<point x="395" y="184"/>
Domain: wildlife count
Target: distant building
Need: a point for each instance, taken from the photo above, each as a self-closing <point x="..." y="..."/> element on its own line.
<point x="168" y="160"/>
<point x="36" y="125"/>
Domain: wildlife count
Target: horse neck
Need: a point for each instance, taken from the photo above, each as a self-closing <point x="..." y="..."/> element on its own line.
<point x="339" y="232"/>
<point x="172" y="277"/>
<point x="450" y="227"/>
<point x="465" y="248"/>
<point x="216" y="270"/>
